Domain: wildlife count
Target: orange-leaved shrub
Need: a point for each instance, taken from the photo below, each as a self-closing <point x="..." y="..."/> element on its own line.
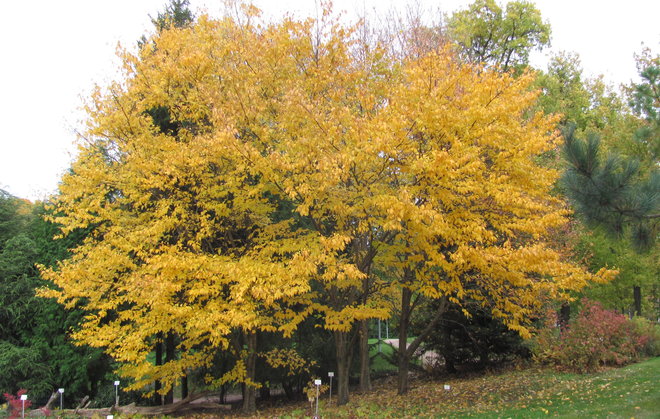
<point x="597" y="337"/>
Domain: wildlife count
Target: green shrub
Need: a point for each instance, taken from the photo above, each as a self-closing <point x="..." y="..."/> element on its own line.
<point x="644" y="327"/>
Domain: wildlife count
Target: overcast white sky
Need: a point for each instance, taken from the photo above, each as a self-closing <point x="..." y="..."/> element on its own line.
<point x="52" y="53"/>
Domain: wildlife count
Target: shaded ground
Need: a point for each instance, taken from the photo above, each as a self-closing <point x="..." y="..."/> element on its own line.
<point x="630" y="392"/>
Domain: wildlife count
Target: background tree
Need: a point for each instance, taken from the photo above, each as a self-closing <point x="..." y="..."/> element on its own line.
<point x="592" y="108"/>
<point x="645" y="102"/>
<point x="504" y="38"/>
<point x="35" y="351"/>
<point x="563" y="89"/>
<point x="638" y="273"/>
<point x="611" y="192"/>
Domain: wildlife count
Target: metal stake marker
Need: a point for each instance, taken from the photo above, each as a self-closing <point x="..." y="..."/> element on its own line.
<point x="23" y="399"/>
<point x="116" y="393"/>
<point x="317" y="383"/>
<point x="380" y="338"/>
<point x="61" y="391"/>
<point x="330" y="374"/>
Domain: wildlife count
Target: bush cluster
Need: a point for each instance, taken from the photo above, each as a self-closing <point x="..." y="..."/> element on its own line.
<point x="15" y="405"/>
<point x="595" y="338"/>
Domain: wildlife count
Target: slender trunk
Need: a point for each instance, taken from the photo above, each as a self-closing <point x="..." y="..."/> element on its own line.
<point x="249" y="392"/>
<point x="365" y="370"/>
<point x="406" y="351"/>
<point x="637" y="296"/>
<point x="363" y="325"/>
<point x="169" y="356"/>
<point x="402" y="353"/>
<point x="264" y="391"/>
<point x="343" y="349"/>
<point x="448" y="353"/>
<point x="564" y="315"/>
<point x="184" y="386"/>
<point x="158" y="398"/>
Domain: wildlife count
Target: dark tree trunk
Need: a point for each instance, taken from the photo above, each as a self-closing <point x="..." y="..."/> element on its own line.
<point x="637" y="296"/>
<point x="365" y="370"/>
<point x="406" y="351"/>
<point x="483" y="357"/>
<point x="223" y="394"/>
<point x="249" y="392"/>
<point x="343" y="349"/>
<point x="564" y="315"/>
<point x="402" y="353"/>
<point x="264" y="391"/>
<point x="169" y="356"/>
<point x="158" y="398"/>
<point x="184" y="386"/>
<point x="448" y="352"/>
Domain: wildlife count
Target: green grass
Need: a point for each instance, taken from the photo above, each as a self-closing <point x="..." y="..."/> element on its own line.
<point x="379" y="360"/>
<point x="380" y="363"/>
<point x="629" y="392"/>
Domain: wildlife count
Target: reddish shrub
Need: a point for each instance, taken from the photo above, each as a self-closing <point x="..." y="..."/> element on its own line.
<point x="16" y="404"/>
<point x="596" y="337"/>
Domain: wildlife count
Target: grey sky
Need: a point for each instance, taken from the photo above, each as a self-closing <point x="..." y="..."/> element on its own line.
<point x="54" y="52"/>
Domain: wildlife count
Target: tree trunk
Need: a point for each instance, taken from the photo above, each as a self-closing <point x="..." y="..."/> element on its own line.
<point x="365" y="367"/>
<point x="343" y="349"/>
<point x="184" y="386"/>
<point x="564" y="315"/>
<point x="158" y="398"/>
<point x="406" y="351"/>
<point x="249" y="392"/>
<point x="448" y="353"/>
<point x="637" y="296"/>
<point x="264" y="391"/>
<point x="169" y="356"/>
<point x="402" y="353"/>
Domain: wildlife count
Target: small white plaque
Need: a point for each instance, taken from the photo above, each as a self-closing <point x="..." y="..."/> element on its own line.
<point x="331" y="374"/>
<point x="116" y="383"/>
<point x="110" y="417"/>
<point x="60" y="390"/>
<point x="317" y="382"/>
<point x="23" y="396"/>
<point x="447" y="387"/>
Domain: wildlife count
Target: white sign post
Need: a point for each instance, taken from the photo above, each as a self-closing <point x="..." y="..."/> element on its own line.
<point x="116" y="393"/>
<point x="317" y="383"/>
<point x="23" y="399"/>
<point x="61" y="391"/>
<point x="330" y="374"/>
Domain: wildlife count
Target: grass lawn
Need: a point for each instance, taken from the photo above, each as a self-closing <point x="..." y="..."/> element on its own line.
<point x="379" y="360"/>
<point x="630" y="392"/>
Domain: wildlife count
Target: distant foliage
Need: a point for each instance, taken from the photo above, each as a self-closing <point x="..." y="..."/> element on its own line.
<point x="476" y="337"/>
<point x="597" y="338"/>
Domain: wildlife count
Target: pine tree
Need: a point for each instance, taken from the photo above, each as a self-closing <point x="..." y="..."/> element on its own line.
<point x="611" y="192"/>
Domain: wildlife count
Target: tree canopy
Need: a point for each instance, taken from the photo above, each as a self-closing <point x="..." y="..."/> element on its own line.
<point x="487" y="34"/>
<point x="291" y="169"/>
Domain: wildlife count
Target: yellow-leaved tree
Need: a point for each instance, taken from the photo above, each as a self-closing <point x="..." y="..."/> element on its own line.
<point x="185" y="244"/>
<point x="243" y="176"/>
<point x="473" y="208"/>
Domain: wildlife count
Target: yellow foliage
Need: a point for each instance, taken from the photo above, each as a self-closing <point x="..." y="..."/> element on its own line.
<point x="289" y="359"/>
<point x="285" y="163"/>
